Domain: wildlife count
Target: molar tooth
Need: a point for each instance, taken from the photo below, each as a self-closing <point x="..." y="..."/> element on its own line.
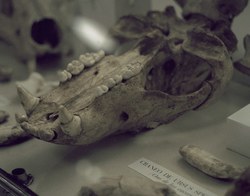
<point x="64" y="75"/>
<point x="117" y="78"/>
<point x="111" y="82"/>
<point x="75" y="67"/>
<point x="70" y="124"/>
<point x="28" y="101"/>
<point x="127" y="74"/>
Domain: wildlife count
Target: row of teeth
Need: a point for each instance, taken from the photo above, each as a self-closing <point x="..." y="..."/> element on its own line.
<point x="126" y="73"/>
<point x="77" y="66"/>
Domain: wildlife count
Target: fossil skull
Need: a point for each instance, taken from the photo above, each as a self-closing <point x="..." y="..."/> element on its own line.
<point x="152" y="83"/>
<point x="36" y="28"/>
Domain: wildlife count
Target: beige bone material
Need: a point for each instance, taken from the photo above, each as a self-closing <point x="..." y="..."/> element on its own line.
<point x="148" y="83"/>
<point x="126" y="186"/>
<point x="208" y="163"/>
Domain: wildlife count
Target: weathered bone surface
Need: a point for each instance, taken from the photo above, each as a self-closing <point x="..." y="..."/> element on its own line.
<point x="241" y="185"/>
<point x="151" y="84"/>
<point x="243" y="65"/>
<point x="126" y="186"/>
<point x="36" y="28"/>
<point x="208" y="163"/>
<point x="204" y="14"/>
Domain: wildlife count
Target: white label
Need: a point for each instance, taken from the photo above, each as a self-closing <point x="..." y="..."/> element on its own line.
<point x="158" y="173"/>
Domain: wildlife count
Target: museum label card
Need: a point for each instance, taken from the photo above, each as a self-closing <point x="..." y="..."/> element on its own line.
<point x="160" y="174"/>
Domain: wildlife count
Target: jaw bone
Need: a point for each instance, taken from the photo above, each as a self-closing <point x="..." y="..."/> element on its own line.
<point x="28" y="101"/>
<point x="69" y="123"/>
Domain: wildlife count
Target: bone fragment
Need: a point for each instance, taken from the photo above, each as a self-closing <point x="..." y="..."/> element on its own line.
<point x="126" y="186"/>
<point x="208" y="163"/>
<point x="28" y="101"/>
<point x="70" y="124"/>
<point x="3" y="116"/>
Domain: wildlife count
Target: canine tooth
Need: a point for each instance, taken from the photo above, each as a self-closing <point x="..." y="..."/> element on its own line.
<point x="21" y="118"/>
<point x="118" y="78"/>
<point x="208" y="163"/>
<point x="64" y="115"/>
<point x="70" y="124"/>
<point x="111" y="82"/>
<point x="28" y="101"/>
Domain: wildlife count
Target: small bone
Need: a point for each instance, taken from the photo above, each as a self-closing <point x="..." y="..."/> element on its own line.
<point x="70" y="124"/>
<point x="3" y="116"/>
<point x="64" y="75"/>
<point x="208" y="163"/>
<point x="75" y="67"/>
<point x="28" y="101"/>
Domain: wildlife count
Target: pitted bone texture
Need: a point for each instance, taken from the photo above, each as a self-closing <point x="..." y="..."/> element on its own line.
<point x="151" y="82"/>
<point x="208" y="163"/>
<point x="126" y="186"/>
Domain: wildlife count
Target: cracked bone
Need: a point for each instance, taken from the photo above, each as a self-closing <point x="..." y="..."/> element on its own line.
<point x="208" y="163"/>
<point x="28" y="101"/>
<point x="131" y="104"/>
<point x="126" y="186"/>
<point x="243" y="65"/>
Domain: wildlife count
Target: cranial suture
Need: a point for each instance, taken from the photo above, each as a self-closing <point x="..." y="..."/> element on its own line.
<point x="175" y="66"/>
